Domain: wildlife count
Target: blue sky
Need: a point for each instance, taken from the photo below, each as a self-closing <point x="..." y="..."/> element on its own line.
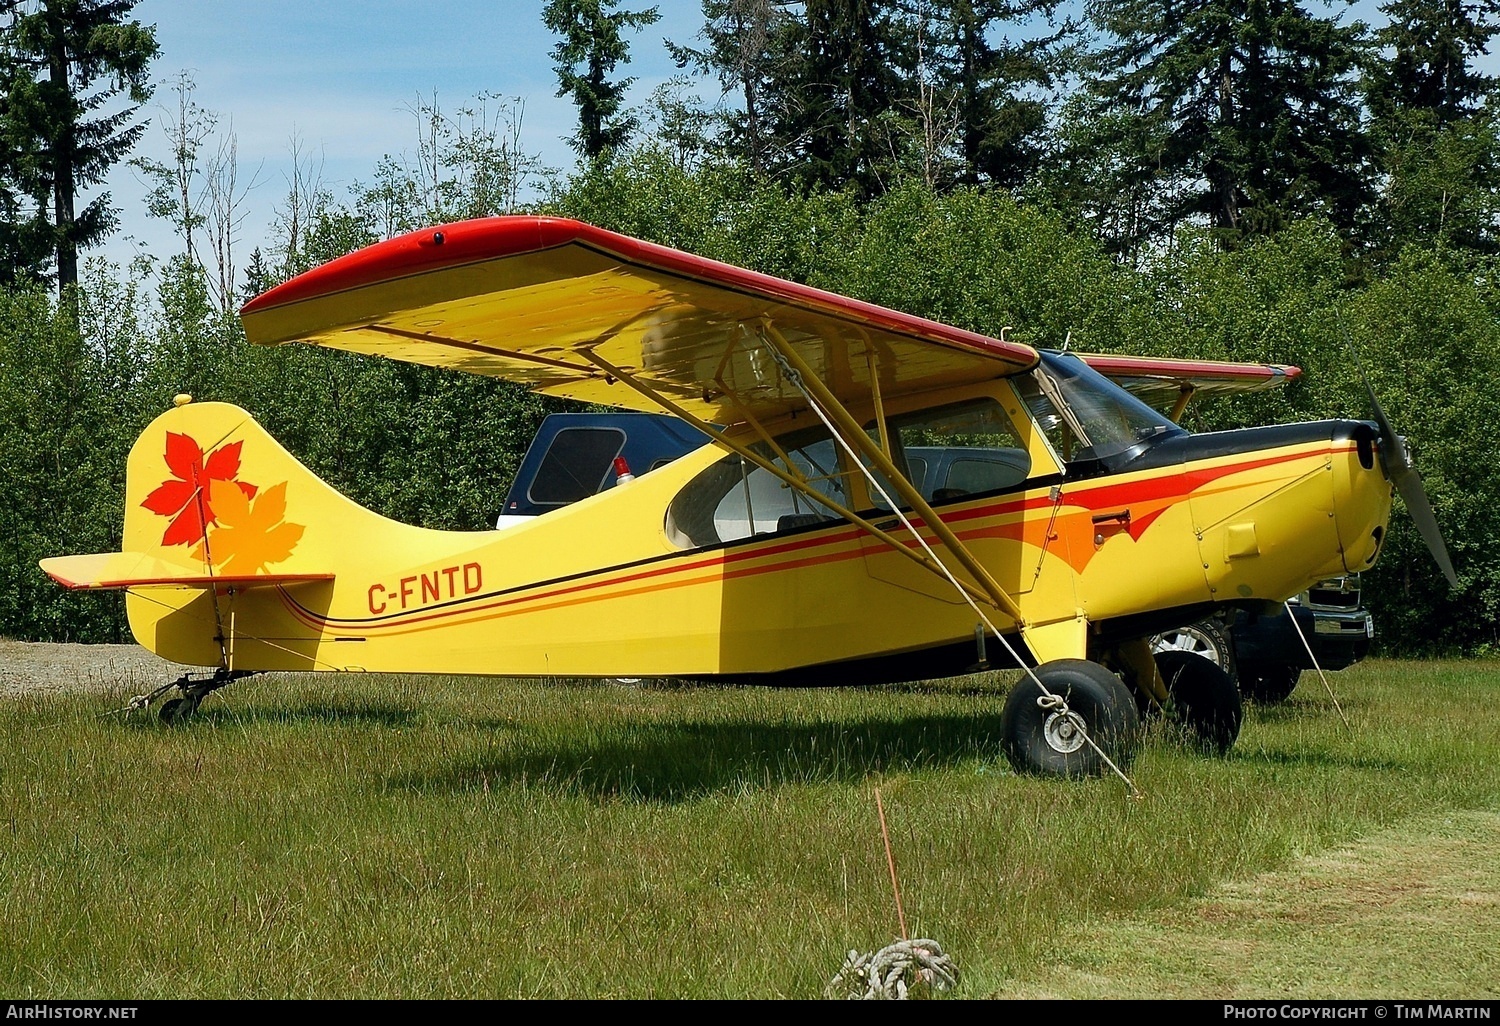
<point x="341" y="75"/>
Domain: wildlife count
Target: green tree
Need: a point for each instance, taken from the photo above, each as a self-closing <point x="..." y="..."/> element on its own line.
<point x="178" y="192"/>
<point x="840" y="80"/>
<point x="26" y="238"/>
<point x="743" y="48"/>
<point x="65" y="60"/>
<point x="1429" y="60"/>
<point x="867" y="92"/>
<point x="981" y="94"/>
<point x="1243" y="113"/>
<point x="1429" y="333"/>
<point x="467" y="163"/>
<point x="982" y="261"/>
<point x="588" y="53"/>
<point x="1436" y="136"/>
<point x="69" y="411"/>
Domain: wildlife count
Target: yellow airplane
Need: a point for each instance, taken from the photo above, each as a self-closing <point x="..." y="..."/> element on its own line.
<point x="806" y="546"/>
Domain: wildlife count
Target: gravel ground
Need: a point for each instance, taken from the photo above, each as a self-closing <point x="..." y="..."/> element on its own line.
<point x="29" y="668"/>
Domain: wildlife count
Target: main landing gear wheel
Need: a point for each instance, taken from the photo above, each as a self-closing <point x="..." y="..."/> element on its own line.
<point x="1045" y="739"/>
<point x="1205" y="700"/>
<point x="1269" y="683"/>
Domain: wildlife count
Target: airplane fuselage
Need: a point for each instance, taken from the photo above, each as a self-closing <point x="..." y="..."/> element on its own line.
<point x="624" y="584"/>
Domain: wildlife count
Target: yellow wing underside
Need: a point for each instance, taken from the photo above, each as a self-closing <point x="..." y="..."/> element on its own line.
<point x="539" y="317"/>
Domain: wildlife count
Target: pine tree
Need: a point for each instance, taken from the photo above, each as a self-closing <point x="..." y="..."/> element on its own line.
<point x="864" y="92"/>
<point x="1438" y="140"/>
<point x="993" y="85"/>
<point x="65" y="60"/>
<point x="591" y="40"/>
<point x="816" y="78"/>
<point x="26" y="240"/>
<point x="743" y="48"/>
<point x="1248" y="109"/>
<point x="1433" y="47"/>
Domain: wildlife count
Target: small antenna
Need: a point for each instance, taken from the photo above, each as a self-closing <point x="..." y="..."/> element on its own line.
<point x="1068" y="341"/>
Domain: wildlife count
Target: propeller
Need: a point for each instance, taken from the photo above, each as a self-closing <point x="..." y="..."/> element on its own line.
<point x="1398" y="467"/>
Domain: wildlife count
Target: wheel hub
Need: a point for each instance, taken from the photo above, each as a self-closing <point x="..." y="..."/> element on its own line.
<point x="1064" y="731"/>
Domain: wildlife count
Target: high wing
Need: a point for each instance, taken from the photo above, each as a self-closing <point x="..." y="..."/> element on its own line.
<point x="1169" y="384"/>
<point x="563" y="308"/>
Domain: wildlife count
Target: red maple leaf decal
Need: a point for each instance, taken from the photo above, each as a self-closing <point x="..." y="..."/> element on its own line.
<point x="185" y="496"/>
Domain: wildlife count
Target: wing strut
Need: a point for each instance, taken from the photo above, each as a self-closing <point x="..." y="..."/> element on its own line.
<point x="807" y="381"/>
<point x="1183" y="399"/>
<point x="825" y="406"/>
<point x="792" y="481"/>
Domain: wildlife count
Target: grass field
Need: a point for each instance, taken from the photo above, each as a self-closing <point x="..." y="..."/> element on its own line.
<point x="440" y="837"/>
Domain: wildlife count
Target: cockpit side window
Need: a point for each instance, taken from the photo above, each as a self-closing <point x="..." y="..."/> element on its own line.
<point x="955" y="450"/>
<point x="736" y="499"/>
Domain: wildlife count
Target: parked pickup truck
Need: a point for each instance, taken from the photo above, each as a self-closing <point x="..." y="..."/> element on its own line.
<point x="1267" y="654"/>
<point x="575" y="455"/>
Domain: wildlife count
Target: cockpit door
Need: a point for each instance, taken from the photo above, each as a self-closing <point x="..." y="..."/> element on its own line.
<point x="976" y="458"/>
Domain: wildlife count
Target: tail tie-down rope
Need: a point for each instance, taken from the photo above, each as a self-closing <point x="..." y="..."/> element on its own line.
<point x="894" y="973"/>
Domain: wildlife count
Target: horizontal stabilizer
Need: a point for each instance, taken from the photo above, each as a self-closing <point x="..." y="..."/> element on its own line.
<point x="104" y="570"/>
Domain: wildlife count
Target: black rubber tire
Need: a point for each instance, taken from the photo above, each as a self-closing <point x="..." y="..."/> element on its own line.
<point x="1204" y="700"/>
<point x="1207" y="638"/>
<point x="1269" y="683"/>
<point x="1044" y="742"/>
<point x="174" y="710"/>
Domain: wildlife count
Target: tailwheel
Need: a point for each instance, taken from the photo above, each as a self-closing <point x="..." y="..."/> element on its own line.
<point x="1048" y="733"/>
<point x="176" y="710"/>
<point x="1204" y="699"/>
<point x="181" y="709"/>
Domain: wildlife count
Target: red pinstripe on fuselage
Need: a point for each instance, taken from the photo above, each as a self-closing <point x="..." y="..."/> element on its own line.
<point x="1002" y="516"/>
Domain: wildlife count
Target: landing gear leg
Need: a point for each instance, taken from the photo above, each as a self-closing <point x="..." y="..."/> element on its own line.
<point x="182" y="708"/>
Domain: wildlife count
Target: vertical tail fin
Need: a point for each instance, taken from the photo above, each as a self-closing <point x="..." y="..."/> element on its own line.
<point x="210" y="497"/>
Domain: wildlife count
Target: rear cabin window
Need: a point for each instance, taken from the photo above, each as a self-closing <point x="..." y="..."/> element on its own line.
<point x="575" y="465"/>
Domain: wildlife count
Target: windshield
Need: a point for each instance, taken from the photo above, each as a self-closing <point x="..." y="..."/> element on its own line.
<point x="1084" y="414"/>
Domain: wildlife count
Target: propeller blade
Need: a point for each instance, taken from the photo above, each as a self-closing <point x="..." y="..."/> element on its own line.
<point x="1409" y="484"/>
<point x="1398" y="467"/>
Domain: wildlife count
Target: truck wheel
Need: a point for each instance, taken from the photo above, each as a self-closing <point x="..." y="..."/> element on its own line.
<point x="1269" y="683"/>
<point x="1204" y="699"/>
<point x="1049" y="741"/>
<point x="1206" y="638"/>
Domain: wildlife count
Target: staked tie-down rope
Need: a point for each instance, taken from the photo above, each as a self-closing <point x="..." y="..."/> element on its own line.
<point x="905" y="969"/>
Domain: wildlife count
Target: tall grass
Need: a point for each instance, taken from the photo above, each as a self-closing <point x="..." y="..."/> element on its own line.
<point x="372" y="837"/>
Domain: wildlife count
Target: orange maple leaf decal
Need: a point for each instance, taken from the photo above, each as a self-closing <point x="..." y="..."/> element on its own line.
<point x="250" y="535"/>
<point x="180" y="496"/>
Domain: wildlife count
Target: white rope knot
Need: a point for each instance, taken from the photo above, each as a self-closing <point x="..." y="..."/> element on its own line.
<point x="1055" y="702"/>
<point x="905" y="969"/>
